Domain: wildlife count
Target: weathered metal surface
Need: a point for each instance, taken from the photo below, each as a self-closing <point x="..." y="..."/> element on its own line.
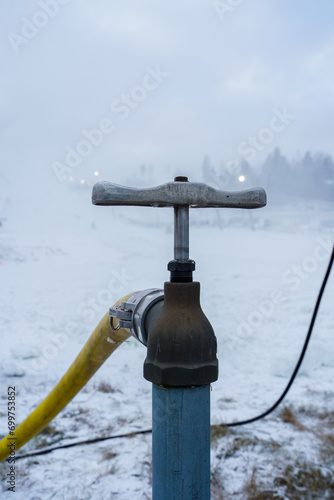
<point x="181" y="232"/>
<point x="193" y="194"/>
<point x="181" y="344"/>
<point x="181" y="443"/>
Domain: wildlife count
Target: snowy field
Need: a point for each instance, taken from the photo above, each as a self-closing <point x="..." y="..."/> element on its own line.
<point x="260" y="273"/>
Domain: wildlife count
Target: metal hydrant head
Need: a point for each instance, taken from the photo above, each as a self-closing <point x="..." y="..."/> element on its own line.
<point x="181" y="345"/>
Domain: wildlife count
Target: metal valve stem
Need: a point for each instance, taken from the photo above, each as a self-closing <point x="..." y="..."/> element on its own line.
<point x="181" y="232"/>
<point x="181" y="228"/>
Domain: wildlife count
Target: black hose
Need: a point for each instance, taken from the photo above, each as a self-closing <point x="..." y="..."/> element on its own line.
<point x="301" y="357"/>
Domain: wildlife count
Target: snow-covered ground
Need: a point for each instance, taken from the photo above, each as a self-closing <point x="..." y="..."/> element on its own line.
<point x="260" y="272"/>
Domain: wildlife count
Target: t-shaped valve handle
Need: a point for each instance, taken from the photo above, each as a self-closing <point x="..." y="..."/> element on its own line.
<point x="181" y="195"/>
<point x="179" y="192"/>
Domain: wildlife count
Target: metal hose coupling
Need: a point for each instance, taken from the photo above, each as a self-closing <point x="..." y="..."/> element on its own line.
<point x="132" y="313"/>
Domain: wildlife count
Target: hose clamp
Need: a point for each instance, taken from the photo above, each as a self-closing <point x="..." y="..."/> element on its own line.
<point x="131" y="314"/>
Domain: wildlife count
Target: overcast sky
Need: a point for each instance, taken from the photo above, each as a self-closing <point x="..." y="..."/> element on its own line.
<point x="168" y="82"/>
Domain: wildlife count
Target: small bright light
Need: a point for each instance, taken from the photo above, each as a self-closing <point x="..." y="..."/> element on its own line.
<point x="82" y="181"/>
<point x="70" y="179"/>
<point x="241" y="178"/>
<point x="96" y="173"/>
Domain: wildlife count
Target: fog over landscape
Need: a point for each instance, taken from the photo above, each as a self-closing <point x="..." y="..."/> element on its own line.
<point x="234" y="94"/>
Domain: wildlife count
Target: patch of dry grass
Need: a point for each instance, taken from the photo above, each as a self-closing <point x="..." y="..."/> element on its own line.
<point x="304" y="480"/>
<point x="105" y="387"/>
<point x="48" y="436"/>
<point x="289" y="416"/>
<point x="108" y="455"/>
<point x="217" y="432"/>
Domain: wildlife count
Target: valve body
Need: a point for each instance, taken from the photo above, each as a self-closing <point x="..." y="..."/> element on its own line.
<point x="181" y="344"/>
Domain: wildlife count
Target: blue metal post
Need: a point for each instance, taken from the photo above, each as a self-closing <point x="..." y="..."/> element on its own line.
<point x="181" y="443"/>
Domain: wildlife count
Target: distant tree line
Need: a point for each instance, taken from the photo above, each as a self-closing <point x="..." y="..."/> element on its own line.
<point x="309" y="177"/>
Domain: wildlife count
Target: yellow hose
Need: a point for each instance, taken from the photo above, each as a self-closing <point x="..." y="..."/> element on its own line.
<point x="103" y="342"/>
